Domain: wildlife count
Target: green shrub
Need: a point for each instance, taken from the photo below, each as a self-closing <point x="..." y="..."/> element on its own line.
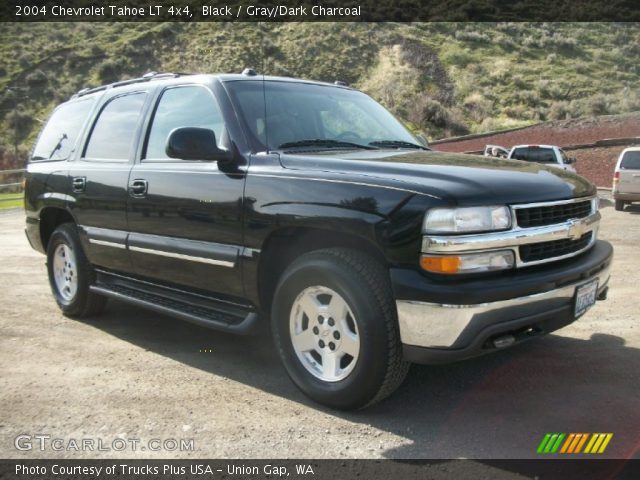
<point x="36" y="79"/>
<point x="598" y="104"/>
<point x="95" y="50"/>
<point x="110" y="71"/>
<point x="477" y="107"/>
<point x="453" y="55"/>
<point x="559" y="111"/>
<point x="472" y="36"/>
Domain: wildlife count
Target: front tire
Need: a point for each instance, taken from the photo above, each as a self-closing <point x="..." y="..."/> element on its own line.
<point x="71" y="274"/>
<point x="334" y="325"/>
<point x="619" y="205"/>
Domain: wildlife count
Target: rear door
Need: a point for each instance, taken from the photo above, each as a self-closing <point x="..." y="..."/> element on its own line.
<point x="98" y="179"/>
<point x="185" y="216"/>
<point x="630" y="172"/>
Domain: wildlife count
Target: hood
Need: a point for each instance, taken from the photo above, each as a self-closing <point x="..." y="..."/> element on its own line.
<point x="456" y="178"/>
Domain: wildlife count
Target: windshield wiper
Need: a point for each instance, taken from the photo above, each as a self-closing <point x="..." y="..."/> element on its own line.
<point x="326" y="143"/>
<point x="397" y="144"/>
<point x="58" y="145"/>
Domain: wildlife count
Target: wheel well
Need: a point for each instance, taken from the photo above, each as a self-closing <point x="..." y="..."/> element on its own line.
<point x="284" y="246"/>
<point x="50" y="219"/>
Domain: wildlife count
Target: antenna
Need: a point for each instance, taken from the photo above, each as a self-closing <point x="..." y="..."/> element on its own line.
<point x="262" y="53"/>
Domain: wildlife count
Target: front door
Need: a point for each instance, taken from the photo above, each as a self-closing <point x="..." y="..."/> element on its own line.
<point x="185" y="216"/>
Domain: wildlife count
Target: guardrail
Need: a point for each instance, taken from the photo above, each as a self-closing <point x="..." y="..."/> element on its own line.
<point x="11" y="191"/>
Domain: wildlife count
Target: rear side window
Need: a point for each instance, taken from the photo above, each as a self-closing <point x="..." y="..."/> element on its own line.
<point x="189" y="106"/>
<point x="539" y="155"/>
<point x="631" y="161"/>
<point x="59" y="135"/>
<point x="113" y="133"/>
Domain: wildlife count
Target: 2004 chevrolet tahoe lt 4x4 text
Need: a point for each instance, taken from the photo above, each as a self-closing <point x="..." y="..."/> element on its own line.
<point x="231" y="200"/>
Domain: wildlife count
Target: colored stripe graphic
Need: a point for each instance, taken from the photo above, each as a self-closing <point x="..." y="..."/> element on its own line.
<point x="543" y="443"/>
<point x="606" y="442"/>
<point x="550" y="443"/>
<point x="556" y="443"/>
<point x="581" y="443"/>
<point x="567" y="442"/>
<point x="593" y="439"/>
<point x="556" y="446"/>
<point x="576" y="439"/>
<point x="598" y="443"/>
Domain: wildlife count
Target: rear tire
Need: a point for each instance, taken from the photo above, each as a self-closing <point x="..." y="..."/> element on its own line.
<point x="350" y="361"/>
<point x="619" y="205"/>
<point x="71" y="274"/>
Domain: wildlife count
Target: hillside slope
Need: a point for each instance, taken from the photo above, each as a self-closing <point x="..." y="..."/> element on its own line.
<point x="440" y="78"/>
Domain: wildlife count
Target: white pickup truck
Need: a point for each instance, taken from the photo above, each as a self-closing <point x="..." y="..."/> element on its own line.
<point x="549" y="155"/>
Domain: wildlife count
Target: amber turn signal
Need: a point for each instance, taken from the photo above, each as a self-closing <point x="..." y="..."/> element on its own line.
<point x="469" y="262"/>
<point x="440" y="264"/>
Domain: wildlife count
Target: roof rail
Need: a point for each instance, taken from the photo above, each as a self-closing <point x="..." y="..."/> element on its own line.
<point x="145" y="78"/>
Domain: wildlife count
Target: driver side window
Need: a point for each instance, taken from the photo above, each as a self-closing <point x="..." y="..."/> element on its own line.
<point x="188" y="106"/>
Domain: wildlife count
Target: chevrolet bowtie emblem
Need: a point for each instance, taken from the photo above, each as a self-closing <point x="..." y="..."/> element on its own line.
<point x="576" y="229"/>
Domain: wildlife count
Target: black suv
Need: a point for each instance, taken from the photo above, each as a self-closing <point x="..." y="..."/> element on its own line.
<point x="232" y="201"/>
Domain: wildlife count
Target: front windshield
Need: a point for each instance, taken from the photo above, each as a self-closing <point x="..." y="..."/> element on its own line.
<point x="289" y="113"/>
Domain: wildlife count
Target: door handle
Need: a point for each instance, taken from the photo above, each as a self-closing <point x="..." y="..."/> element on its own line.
<point x="138" y="188"/>
<point x="79" y="184"/>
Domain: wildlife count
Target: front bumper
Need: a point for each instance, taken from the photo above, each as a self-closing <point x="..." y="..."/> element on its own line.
<point x="444" y="321"/>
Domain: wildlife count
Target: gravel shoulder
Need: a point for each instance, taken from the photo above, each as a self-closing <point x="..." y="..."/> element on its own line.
<point x="133" y="374"/>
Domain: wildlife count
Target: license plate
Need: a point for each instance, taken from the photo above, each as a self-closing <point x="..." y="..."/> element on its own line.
<point x="585" y="297"/>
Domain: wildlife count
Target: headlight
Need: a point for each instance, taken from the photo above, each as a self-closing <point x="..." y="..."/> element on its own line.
<point x="468" y="263"/>
<point x="467" y="219"/>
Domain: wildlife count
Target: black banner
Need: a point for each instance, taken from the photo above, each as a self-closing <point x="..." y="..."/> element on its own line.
<point x="123" y="469"/>
<point x="319" y="10"/>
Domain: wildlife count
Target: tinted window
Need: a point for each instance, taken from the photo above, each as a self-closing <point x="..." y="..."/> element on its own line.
<point x="534" y="154"/>
<point x="192" y="106"/>
<point x="61" y="131"/>
<point x="297" y="112"/>
<point x="631" y="161"/>
<point x="113" y="132"/>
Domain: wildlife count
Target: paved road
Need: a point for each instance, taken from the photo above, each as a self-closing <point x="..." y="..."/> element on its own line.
<point x="132" y="374"/>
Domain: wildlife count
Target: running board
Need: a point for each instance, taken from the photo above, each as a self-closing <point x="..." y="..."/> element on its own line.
<point x="207" y="312"/>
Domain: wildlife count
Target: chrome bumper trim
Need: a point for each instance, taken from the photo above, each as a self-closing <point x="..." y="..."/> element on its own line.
<point x="435" y="325"/>
<point x="104" y="243"/>
<point x="180" y="256"/>
<point x="571" y="229"/>
<point x="592" y="198"/>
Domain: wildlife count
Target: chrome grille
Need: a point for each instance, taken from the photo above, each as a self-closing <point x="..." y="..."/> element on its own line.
<point x="542" y="232"/>
<point x="552" y="214"/>
<point x="556" y="248"/>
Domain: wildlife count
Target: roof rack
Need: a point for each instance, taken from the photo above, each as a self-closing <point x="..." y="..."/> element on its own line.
<point x="145" y="78"/>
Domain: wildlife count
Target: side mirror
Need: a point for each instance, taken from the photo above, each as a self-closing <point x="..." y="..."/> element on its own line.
<point x="570" y="160"/>
<point x="422" y="140"/>
<point x="192" y="143"/>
